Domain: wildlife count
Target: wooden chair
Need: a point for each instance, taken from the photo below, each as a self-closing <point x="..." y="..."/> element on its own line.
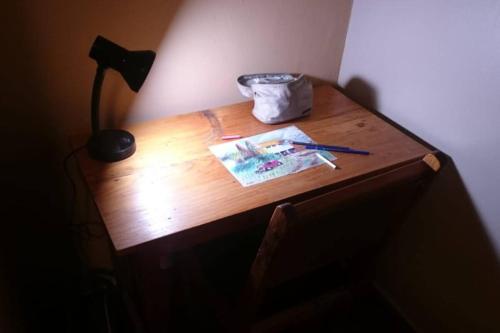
<point x="301" y="238"/>
<point x="297" y="241"/>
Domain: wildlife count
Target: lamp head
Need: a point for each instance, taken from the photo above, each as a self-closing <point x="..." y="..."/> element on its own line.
<point x="134" y="66"/>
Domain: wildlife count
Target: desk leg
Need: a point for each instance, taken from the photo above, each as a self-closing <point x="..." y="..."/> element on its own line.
<point x="147" y="281"/>
<point x="154" y="281"/>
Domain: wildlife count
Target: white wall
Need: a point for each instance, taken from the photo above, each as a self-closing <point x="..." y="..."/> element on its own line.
<point x="434" y="67"/>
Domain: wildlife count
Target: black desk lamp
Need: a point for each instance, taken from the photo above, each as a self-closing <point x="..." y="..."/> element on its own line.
<point x="112" y="145"/>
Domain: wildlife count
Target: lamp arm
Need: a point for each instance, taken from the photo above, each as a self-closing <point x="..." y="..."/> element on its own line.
<point x="96" y="96"/>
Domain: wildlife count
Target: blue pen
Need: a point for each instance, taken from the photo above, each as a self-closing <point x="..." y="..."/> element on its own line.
<point x="317" y="145"/>
<point x="337" y="149"/>
<point x="340" y="149"/>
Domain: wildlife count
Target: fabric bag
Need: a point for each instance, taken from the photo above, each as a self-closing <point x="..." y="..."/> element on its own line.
<point x="277" y="97"/>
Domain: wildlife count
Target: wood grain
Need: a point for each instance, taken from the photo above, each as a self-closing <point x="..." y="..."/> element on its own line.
<point x="173" y="184"/>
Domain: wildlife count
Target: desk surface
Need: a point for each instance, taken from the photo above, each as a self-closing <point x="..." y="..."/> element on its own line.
<point x="173" y="183"/>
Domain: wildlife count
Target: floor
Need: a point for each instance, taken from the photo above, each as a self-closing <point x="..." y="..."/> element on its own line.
<point x="365" y="310"/>
<point x="100" y="306"/>
<point x="369" y="313"/>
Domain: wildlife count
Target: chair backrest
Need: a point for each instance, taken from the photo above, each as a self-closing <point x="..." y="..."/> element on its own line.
<point x="335" y="226"/>
<point x="308" y="235"/>
<point x="305" y="235"/>
<point x="301" y="238"/>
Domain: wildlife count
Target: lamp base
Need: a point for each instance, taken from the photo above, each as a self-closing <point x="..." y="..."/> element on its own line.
<point x="111" y="145"/>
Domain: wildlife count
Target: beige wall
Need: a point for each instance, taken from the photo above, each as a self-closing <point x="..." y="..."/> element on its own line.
<point x="210" y="43"/>
<point x="46" y="47"/>
<point x="202" y="46"/>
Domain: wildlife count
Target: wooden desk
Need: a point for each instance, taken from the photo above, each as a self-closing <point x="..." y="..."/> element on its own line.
<point x="174" y="189"/>
<point x="174" y="193"/>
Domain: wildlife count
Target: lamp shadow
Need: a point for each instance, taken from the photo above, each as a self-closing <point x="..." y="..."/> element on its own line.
<point x="45" y="99"/>
<point x="440" y="266"/>
<point x="35" y="247"/>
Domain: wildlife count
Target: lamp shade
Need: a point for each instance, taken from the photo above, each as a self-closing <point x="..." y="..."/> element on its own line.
<point x="134" y="66"/>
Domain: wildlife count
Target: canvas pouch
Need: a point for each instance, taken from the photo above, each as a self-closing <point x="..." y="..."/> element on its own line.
<point x="277" y="97"/>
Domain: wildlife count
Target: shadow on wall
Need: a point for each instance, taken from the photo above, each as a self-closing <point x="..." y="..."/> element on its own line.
<point x="362" y="92"/>
<point x="440" y="267"/>
<point x="32" y="242"/>
<point x="45" y="97"/>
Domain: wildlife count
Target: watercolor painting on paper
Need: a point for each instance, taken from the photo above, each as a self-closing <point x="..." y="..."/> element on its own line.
<point x="267" y="156"/>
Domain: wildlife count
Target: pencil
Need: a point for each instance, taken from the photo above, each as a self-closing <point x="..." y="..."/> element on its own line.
<point x="230" y="137"/>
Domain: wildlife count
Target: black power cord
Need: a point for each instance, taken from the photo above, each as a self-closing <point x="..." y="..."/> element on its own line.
<point x="83" y="229"/>
<point x="99" y="294"/>
<point x="71" y="180"/>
